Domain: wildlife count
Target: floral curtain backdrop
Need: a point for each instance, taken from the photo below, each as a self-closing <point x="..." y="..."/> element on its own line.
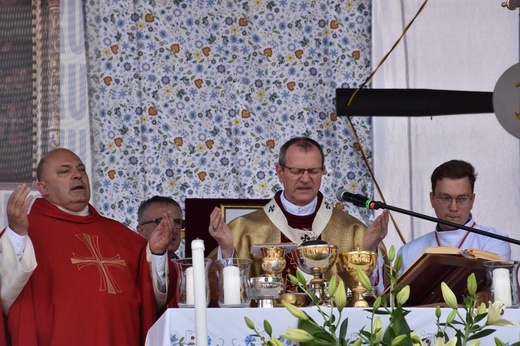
<point x="193" y="99"/>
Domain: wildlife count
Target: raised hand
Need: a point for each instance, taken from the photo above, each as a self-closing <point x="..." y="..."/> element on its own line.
<point x="376" y="232"/>
<point x="162" y="235"/>
<point x="17" y="208"/>
<point x="220" y="231"/>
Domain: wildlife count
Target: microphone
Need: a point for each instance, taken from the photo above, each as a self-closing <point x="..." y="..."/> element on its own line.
<point x="359" y="200"/>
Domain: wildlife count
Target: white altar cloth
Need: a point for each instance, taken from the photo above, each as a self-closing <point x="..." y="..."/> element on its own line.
<point x="226" y="326"/>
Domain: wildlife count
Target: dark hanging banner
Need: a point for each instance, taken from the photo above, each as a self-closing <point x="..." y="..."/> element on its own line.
<point x="412" y="102"/>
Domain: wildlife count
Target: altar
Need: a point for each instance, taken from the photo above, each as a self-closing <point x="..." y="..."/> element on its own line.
<point x="226" y="326"/>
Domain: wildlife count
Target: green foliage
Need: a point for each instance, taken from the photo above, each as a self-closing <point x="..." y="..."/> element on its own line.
<point x="467" y="323"/>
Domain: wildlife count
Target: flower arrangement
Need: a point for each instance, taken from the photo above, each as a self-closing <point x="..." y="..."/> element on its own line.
<point x="467" y="324"/>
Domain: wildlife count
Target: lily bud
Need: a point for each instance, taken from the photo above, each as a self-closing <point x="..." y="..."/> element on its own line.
<point x="275" y="342"/>
<point x="298" y="335"/>
<point x="391" y="253"/>
<point x="403" y="295"/>
<point x="296" y="311"/>
<point x="449" y="296"/>
<point x="377" y="303"/>
<point x="267" y="327"/>
<point x="472" y="285"/>
<point x="363" y="279"/>
<point x="301" y="278"/>
<point x="250" y="324"/>
<point x="398" y="340"/>
<point x="332" y="286"/>
<point x="377" y="330"/>
<point x="357" y="342"/>
<point x="499" y="342"/>
<point x="451" y="316"/>
<point x="475" y="343"/>
<point x="398" y="262"/>
<point x="293" y="279"/>
<point x="416" y="340"/>
<point x="438" y="311"/>
<point x="481" y="309"/>
<point x="340" y="297"/>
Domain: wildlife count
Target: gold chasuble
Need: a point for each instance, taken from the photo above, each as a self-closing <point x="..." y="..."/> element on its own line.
<point x="92" y="285"/>
<point x="265" y="226"/>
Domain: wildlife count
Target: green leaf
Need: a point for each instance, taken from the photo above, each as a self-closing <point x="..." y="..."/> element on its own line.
<point x="481" y="334"/>
<point x="480" y="317"/>
<point x="343" y="329"/>
<point x="323" y="338"/>
<point x="398" y="326"/>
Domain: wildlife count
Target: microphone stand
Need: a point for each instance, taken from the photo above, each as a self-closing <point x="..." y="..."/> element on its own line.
<point x="381" y="205"/>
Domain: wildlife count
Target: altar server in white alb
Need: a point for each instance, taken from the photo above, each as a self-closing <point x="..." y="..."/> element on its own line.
<point x="452" y="198"/>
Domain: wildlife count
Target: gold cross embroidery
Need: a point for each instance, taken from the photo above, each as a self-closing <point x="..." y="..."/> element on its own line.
<point x="103" y="264"/>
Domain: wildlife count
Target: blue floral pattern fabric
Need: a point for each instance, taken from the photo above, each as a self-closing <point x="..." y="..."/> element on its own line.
<point x="193" y="99"/>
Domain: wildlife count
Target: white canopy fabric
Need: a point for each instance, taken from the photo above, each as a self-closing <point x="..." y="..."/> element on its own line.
<point x="453" y="45"/>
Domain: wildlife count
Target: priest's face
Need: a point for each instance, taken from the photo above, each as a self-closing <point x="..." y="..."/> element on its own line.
<point x="63" y="180"/>
<point x="301" y="174"/>
<point x="151" y="218"/>
<point x="452" y="200"/>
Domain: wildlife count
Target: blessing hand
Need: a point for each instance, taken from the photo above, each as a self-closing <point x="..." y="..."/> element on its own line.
<point x="220" y="231"/>
<point x="162" y="235"/>
<point x="376" y="232"/>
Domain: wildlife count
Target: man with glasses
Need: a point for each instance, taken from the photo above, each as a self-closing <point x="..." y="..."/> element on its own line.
<point x="151" y="212"/>
<point x="296" y="214"/>
<point x="452" y="199"/>
<point x="149" y="215"/>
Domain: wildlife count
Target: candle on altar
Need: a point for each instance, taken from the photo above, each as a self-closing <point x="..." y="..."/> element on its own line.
<point x="199" y="290"/>
<point x="502" y="286"/>
<point x="231" y="285"/>
<point x="189" y="286"/>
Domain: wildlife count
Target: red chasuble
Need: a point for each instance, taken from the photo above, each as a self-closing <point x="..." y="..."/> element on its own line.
<point x="92" y="285"/>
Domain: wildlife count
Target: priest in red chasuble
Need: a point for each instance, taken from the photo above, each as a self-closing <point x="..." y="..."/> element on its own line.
<point x="96" y="281"/>
<point x="299" y="213"/>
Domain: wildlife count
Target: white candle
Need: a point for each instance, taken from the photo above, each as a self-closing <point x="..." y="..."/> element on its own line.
<point x="189" y="286"/>
<point x="231" y="285"/>
<point x="502" y="286"/>
<point x="199" y="288"/>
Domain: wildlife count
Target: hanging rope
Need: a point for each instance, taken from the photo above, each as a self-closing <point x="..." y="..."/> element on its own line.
<point x="358" y="142"/>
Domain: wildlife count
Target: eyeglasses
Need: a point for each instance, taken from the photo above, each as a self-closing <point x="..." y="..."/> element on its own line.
<point x="462" y="201"/>
<point x="177" y="223"/>
<point x="300" y="171"/>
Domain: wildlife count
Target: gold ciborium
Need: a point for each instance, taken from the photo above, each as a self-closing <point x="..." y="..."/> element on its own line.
<point x="364" y="260"/>
<point x="316" y="258"/>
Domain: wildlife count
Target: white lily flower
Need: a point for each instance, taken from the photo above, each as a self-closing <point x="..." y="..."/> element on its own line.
<point x="440" y="342"/>
<point x="494" y="317"/>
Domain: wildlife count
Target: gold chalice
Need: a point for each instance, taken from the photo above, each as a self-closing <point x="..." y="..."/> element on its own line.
<point x="366" y="261"/>
<point x="266" y="288"/>
<point x="316" y="259"/>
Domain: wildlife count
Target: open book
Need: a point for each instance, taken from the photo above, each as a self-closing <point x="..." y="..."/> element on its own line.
<point x="448" y="264"/>
<point x="469" y="253"/>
